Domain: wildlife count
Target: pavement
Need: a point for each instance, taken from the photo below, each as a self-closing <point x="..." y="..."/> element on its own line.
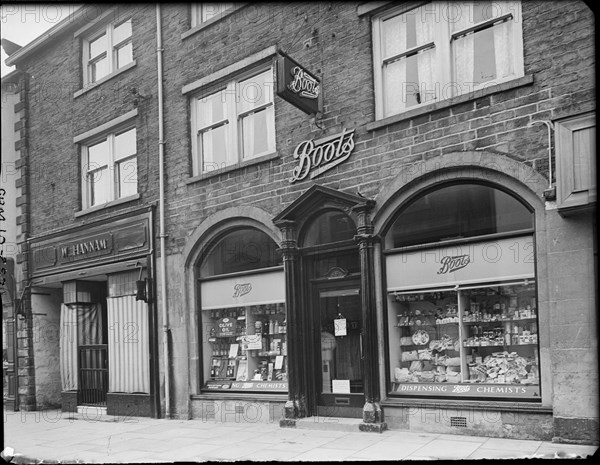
<point x="58" y="437"/>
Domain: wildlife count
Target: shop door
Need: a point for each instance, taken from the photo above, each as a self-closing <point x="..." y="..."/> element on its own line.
<point x="339" y="374"/>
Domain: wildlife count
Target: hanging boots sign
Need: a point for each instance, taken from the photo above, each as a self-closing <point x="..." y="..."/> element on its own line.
<point x="297" y="85"/>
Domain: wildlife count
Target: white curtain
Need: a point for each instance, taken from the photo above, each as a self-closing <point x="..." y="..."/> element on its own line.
<point x="463" y="50"/>
<point x="394" y="74"/>
<point x="503" y="50"/>
<point x="248" y="134"/>
<point x="128" y="345"/>
<point x="425" y="61"/>
<point x="68" y="347"/>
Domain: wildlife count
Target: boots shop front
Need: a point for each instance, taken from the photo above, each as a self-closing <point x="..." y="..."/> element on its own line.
<point x="461" y="311"/>
<point x="93" y="283"/>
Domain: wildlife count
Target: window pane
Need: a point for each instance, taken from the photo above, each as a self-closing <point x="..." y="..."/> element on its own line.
<point x="255" y="91"/>
<point x="97" y="155"/>
<point x="331" y="226"/>
<point x="124" y="55"/>
<point x="99" y="183"/>
<point x="211" y="109"/>
<point x="483" y="56"/>
<point x="257" y="133"/>
<point x="487" y="335"/>
<point x="458" y="211"/>
<point x="213" y="146"/>
<point x="125" y="144"/>
<point x="407" y="30"/>
<point x="212" y="9"/>
<point x="241" y="250"/>
<point x="409" y="81"/>
<point x="122" y="32"/>
<point x="127" y="177"/>
<point x="98" y="69"/>
<point x="98" y="46"/>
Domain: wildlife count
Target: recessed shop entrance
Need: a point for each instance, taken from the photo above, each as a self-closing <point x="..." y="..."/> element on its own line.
<point x="337" y="325"/>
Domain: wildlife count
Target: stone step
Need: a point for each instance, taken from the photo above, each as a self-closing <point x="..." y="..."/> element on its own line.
<point x="329" y="423"/>
<point x="91" y="411"/>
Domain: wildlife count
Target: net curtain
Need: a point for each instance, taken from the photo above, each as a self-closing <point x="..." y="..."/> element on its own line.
<point x="81" y="324"/>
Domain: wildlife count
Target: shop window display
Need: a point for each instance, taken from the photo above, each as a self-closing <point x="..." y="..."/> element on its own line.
<point x="242" y="293"/>
<point x="475" y="336"/>
<point x="247" y="344"/>
<point x="460" y="271"/>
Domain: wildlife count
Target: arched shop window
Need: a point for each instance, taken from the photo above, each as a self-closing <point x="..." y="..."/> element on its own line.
<point x="243" y="319"/>
<point x="240" y="250"/>
<point x="462" y="306"/>
<point x="458" y="211"/>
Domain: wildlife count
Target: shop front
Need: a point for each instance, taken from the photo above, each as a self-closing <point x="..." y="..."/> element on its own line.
<point x="93" y="284"/>
<point x="461" y="313"/>
<point x="242" y="325"/>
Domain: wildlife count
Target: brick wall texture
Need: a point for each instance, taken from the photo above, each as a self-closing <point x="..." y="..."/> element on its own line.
<point x="558" y="44"/>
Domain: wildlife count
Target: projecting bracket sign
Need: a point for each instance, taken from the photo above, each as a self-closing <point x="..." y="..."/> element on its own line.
<point x="297" y="85"/>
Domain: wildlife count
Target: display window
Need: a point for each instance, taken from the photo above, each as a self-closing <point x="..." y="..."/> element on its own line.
<point x="462" y="311"/>
<point x="243" y="314"/>
<point x="480" y="341"/>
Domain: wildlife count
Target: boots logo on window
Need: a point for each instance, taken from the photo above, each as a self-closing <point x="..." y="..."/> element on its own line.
<point x="450" y="264"/>
<point x="241" y="289"/>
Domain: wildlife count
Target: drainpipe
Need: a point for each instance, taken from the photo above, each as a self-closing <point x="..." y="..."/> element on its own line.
<point x="550" y="193"/>
<point x="161" y="175"/>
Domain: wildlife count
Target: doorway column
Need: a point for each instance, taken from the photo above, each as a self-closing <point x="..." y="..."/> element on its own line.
<point x="372" y="413"/>
<point x="295" y="407"/>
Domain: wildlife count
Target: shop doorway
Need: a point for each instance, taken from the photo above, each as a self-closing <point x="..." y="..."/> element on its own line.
<point x="337" y="324"/>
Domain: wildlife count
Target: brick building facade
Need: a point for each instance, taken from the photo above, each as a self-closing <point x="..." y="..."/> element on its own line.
<point x="272" y="241"/>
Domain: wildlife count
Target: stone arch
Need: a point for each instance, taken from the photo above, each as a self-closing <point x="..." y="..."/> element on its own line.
<point x="220" y="221"/>
<point x="519" y="178"/>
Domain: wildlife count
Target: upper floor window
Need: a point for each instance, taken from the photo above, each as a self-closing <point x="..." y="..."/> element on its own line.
<point x="444" y="49"/>
<point x="110" y="167"/>
<point x="234" y="123"/>
<point x="203" y="12"/>
<point x="106" y="51"/>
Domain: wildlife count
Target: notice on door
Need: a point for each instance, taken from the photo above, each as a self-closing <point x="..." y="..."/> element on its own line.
<point x="339" y="325"/>
<point x="340" y="386"/>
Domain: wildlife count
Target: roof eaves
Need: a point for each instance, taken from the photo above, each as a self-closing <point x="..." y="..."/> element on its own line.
<point x="45" y="38"/>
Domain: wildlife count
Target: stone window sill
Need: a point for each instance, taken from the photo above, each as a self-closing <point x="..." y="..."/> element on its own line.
<point x="230" y="168"/>
<point x="108" y="77"/>
<point x="512" y="84"/>
<point x="113" y="203"/>
<point x="483" y="404"/>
